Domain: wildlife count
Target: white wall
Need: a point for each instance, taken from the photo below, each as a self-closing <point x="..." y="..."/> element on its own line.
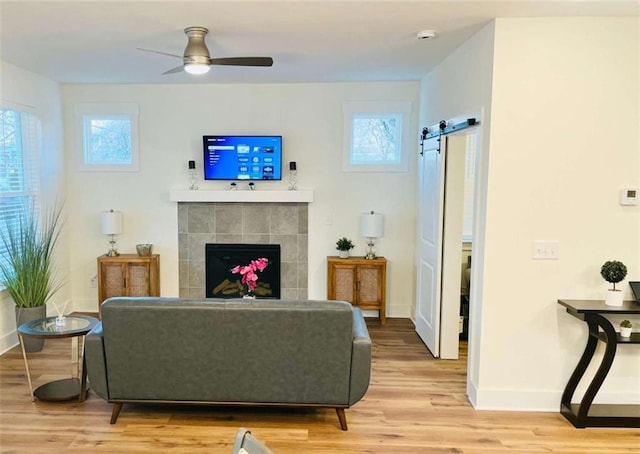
<point x="42" y="96"/>
<point x="564" y="139"/>
<point x="173" y="119"/>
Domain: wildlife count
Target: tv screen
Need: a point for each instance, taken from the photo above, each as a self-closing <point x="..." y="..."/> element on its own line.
<point x="242" y="157"/>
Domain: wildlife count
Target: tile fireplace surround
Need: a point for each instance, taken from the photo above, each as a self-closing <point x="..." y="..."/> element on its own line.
<point x="200" y="223"/>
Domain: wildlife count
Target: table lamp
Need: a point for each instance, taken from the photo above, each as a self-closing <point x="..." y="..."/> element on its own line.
<point x="112" y="225"/>
<point x="371" y="227"/>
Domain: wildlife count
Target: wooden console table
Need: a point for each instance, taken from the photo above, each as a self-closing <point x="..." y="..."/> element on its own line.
<point x="585" y="414"/>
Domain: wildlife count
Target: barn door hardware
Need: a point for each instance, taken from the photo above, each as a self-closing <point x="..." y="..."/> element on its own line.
<point x="442" y="130"/>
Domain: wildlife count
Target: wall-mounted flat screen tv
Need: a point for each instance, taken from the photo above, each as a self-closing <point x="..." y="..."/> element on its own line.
<point x="242" y="157"/>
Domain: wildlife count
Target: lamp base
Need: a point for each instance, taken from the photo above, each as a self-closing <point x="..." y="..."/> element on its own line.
<point x="370" y="254"/>
<point x="112" y="252"/>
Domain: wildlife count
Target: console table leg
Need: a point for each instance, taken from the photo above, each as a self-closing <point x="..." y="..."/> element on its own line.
<point x="581" y="368"/>
<point x="595" y="320"/>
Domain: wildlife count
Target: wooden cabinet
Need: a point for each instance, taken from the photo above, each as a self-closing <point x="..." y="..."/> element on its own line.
<point x="362" y="282"/>
<point x="128" y="275"/>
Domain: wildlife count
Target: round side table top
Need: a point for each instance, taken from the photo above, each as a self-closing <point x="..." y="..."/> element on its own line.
<point x="70" y="326"/>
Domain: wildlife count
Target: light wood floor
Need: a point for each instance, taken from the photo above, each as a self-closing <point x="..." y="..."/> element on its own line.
<point x="415" y="404"/>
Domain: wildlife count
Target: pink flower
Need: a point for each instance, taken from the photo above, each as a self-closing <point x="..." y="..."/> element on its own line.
<point x="248" y="272"/>
<point x="261" y="264"/>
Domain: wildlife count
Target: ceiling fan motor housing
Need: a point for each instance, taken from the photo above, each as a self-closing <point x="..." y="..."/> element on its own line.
<point x="196" y="51"/>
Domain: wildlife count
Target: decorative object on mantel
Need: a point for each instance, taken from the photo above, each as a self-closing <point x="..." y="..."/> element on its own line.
<point x="112" y="225"/>
<point x="371" y="227"/>
<point x="625" y="328"/>
<point x="193" y="178"/>
<point x="344" y="245"/>
<point x="293" y="176"/>
<point x="144" y="249"/>
<point x="613" y="271"/>
<point x="249" y="277"/>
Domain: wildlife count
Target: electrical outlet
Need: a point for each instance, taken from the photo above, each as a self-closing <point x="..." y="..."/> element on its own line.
<point x="546" y="250"/>
<point x="93" y="283"/>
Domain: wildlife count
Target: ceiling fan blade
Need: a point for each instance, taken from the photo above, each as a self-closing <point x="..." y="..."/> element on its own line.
<point x="242" y="61"/>
<point x="177" y="69"/>
<point x="158" y="52"/>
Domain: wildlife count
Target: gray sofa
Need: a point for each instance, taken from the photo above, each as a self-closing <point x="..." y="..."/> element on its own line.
<point x="242" y="352"/>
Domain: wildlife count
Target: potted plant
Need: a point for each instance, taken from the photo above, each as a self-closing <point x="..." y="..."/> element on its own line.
<point x="26" y="268"/>
<point x="613" y="271"/>
<point x="625" y="328"/>
<point x="344" y="245"/>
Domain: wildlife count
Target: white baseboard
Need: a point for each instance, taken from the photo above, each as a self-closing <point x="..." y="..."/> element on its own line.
<point x="517" y="400"/>
<point x="539" y="400"/>
<point x="8" y="341"/>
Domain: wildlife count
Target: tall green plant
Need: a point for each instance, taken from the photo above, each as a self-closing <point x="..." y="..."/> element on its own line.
<point x="27" y="269"/>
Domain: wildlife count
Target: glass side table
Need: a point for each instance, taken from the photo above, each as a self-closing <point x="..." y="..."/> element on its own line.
<point x="55" y="328"/>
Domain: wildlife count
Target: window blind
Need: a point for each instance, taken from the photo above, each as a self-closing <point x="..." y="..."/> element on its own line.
<point x="19" y="162"/>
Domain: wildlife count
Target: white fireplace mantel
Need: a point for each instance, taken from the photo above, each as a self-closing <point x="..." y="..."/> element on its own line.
<point x="244" y="195"/>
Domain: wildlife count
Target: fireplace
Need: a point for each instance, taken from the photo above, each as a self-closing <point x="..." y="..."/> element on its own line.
<point x="285" y="224"/>
<point x="220" y="258"/>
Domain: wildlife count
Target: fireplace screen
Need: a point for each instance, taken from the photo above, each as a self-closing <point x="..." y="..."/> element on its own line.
<point x="221" y="258"/>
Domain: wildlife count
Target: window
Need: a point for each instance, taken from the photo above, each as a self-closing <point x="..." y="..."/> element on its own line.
<point x="376" y="135"/>
<point x="107" y="137"/>
<point x="19" y="151"/>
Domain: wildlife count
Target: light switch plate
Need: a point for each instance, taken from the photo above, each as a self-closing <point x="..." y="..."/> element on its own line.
<point x="546" y="250"/>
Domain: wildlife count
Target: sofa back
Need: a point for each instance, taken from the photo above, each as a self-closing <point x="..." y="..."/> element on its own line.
<point x="228" y="350"/>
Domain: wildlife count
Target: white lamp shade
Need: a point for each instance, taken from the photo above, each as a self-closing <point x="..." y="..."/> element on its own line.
<point x="111" y="222"/>
<point x="372" y="225"/>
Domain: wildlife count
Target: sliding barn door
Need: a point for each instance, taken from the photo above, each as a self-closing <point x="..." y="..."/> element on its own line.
<point x="429" y="244"/>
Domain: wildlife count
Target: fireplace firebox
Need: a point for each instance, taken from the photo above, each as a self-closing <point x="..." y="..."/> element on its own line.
<point x="220" y="258"/>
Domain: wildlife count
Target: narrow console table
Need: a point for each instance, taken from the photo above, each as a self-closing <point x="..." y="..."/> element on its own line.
<point x="585" y="414"/>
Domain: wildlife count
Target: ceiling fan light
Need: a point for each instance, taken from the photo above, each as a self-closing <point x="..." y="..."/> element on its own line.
<point x="196" y="68"/>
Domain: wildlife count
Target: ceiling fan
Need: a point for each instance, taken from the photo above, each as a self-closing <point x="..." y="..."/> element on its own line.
<point x="197" y="60"/>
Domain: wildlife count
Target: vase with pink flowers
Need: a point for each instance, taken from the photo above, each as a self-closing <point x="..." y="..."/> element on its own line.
<point x="249" y="276"/>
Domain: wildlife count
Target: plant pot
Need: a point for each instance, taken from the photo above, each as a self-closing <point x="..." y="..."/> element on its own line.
<point x="625" y="332"/>
<point x="613" y="298"/>
<point x="27" y="314"/>
<point x="343" y="254"/>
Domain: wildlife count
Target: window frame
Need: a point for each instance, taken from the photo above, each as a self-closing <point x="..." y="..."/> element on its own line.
<point x="106" y="111"/>
<point x="353" y="110"/>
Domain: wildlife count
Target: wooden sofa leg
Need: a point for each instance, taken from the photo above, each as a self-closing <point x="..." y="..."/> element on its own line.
<point x="342" y="417"/>
<point x="115" y="412"/>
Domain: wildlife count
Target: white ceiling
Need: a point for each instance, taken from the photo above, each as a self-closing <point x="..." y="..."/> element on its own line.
<point x="310" y="41"/>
